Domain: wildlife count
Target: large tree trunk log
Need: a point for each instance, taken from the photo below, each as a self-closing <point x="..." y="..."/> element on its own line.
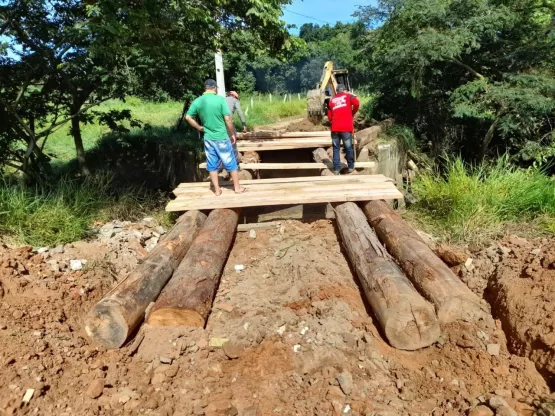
<point x="452" y="298"/>
<point x="187" y="299"/>
<point x="113" y="319"/>
<point x="408" y="321"/>
<point x="321" y="156"/>
<point x="249" y="157"/>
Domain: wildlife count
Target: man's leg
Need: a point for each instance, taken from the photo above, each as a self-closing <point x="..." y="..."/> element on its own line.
<point x="349" y="151"/>
<point x="212" y="164"/>
<point x="225" y="152"/>
<point x="336" y="140"/>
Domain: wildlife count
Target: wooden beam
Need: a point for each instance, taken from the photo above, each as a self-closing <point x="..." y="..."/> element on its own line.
<point x="112" y="320"/>
<point x="187" y="298"/>
<point x="341" y="178"/>
<point x="407" y="320"/>
<point x="285" y="166"/>
<point x="287" y="135"/>
<point x="452" y="298"/>
<point x="258" y="226"/>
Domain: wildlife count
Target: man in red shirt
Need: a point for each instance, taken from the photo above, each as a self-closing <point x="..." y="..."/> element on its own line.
<point x="341" y="110"/>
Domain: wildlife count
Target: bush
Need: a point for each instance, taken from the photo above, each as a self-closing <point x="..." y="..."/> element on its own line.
<point x="47" y="215"/>
<point x="473" y="203"/>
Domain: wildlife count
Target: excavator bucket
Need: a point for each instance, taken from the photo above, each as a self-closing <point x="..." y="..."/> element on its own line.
<point x="315" y="104"/>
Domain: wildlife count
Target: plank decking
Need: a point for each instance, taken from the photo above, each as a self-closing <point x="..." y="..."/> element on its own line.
<point x="284" y="191"/>
<point x="286" y="166"/>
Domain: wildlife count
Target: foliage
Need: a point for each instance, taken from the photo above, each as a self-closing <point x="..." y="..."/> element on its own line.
<point x="67" y="56"/>
<point x="470" y="75"/>
<point x="472" y="203"/>
<point x="49" y="215"/>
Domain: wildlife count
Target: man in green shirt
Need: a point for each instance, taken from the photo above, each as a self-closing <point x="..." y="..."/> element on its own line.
<point x="219" y="134"/>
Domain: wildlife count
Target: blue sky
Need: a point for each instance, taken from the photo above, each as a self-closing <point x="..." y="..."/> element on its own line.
<point x="325" y="11"/>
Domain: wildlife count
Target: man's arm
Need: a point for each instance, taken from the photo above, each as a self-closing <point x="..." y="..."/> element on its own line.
<point x="230" y="128"/>
<point x="241" y="115"/>
<point x="193" y="123"/>
<point x="355" y="103"/>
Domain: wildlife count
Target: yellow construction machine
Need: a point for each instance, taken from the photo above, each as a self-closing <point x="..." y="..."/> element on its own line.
<point x="318" y="99"/>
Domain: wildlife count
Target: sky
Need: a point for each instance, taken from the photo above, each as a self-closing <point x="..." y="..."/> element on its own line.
<point x="321" y="11"/>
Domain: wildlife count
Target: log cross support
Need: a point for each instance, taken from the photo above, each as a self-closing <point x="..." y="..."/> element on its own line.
<point x="407" y="319"/>
<point x="432" y="277"/>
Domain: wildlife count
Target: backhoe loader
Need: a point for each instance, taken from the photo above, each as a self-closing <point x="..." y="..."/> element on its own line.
<point x="318" y="99"/>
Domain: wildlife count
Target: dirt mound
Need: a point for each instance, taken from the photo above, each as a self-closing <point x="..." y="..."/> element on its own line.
<point x="301" y="341"/>
<point x="305" y="125"/>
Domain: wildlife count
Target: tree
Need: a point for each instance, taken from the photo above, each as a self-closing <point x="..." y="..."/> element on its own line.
<point x="71" y="55"/>
<point x="454" y="70"/>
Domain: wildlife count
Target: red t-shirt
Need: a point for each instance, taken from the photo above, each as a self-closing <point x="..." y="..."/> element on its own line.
<point x="342" y="108"/>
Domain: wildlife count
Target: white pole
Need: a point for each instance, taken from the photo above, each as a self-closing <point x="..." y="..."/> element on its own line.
<point x="247" y="111"/>
<point x="220" y="79"/>
<point x="285" y="98"/>
<point x="252" y="102"/>
<point x="270" y="97"/>
<point x="299" y="96"/>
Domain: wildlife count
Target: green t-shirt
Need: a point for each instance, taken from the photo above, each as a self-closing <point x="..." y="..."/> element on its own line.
<point x="211" y="109"/>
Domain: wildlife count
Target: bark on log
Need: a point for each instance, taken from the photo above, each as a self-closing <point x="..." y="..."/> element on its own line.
<point x="407" y="319"/>
<point x="115" y="317"/>
<point x="452" y="298"/>
<point x="187" y="298"/>
<point x="249" y="157"/>
<point x="321" y="156"/>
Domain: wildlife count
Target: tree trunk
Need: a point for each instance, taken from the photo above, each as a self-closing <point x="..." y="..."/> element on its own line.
<point x="408" y="321"/>
<point x="321" y="156"/>
<point x="114" y="318"/>
<point x="487" y="139"/>
<point x="187" y="299"/>
<point x="452" y="298"/>
<point x="79" y="148"/>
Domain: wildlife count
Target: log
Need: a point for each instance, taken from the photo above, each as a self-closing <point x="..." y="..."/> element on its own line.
<point x="112" y="320"/>
<point x="321" y="156"/>
<point x="187" y="298"/>
<point x="452" y="298"/>
<point x="406" y="318"/>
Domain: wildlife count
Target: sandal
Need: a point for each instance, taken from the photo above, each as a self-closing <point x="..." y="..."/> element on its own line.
<point x="242" y="191"/>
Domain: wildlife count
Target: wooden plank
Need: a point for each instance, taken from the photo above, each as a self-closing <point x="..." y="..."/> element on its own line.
<point x="284" y="166"/>
<point x="339" y="178"/>
<point x="252" y="200"/>
<point x="274" y="191"/>
<point x="273" y="134"/>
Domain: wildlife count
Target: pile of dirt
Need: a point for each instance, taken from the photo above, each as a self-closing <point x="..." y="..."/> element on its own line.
<point x="299" y="340"/>
<point x="306" y="125"/>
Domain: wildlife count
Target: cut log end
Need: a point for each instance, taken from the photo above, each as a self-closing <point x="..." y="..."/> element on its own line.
<point x="175" y="317"/>
<point x="107" y="326"/>
<point x="414" y="328"/>
<point x="460" y="309"/>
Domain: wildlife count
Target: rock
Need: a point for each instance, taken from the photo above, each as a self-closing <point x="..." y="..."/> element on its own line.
<point x="53" y="265"/>
<point x="232" y="350"/>
<point x="28" y="395"/>
<point x="59" y="249"/>
<point x="252" y="234"/>
<point x="494" y="349"/>
<point x="296" y="348"/>
<point x="217" y="342"/>
<point x="95" y="389"/>
<point x="468" y="265"/>
<point x="505" y="411"/>
<point x="239" y="267"/>
<point x="42" y="250"/>
<point x="504" y="393"/>
<point x="536" y="251"/>
<point x="166" y="360"/>
<point x="202" y="343"/>
<point x="335" y="393"/>
<point x="496" y="402"/>
<point x="345" y="380"/>
<point x="221" y="407"/>
<point x="76" y="265"/>
<point x="481" y="411"/>
<point x="451" y="255"/>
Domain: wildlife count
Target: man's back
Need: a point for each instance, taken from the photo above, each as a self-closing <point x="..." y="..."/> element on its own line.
<point x="342" y="108"/>
<point x="211" y="108"/>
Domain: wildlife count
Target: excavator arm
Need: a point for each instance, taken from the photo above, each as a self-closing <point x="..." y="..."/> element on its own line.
<point x="317" y="99"/>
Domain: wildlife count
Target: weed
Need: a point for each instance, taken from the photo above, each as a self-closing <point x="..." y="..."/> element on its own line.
<point x="474" y="203"/>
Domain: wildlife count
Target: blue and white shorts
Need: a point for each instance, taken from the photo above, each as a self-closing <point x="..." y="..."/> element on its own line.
<point x="219" y="150"/>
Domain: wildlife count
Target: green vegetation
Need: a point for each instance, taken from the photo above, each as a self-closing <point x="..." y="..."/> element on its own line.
<point x="473" y="203"/>
<point x="50" y="215"/>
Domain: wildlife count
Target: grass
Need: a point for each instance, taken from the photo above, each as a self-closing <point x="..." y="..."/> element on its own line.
<point x="164" y="117"/>
<point x="474" y="204"/>
<point x="47" y="215"/>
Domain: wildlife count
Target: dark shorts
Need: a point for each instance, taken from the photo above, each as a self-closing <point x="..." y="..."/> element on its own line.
<point x="219" y="150"/>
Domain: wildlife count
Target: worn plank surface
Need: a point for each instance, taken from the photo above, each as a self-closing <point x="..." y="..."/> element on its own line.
<point x="283" y="191"/>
